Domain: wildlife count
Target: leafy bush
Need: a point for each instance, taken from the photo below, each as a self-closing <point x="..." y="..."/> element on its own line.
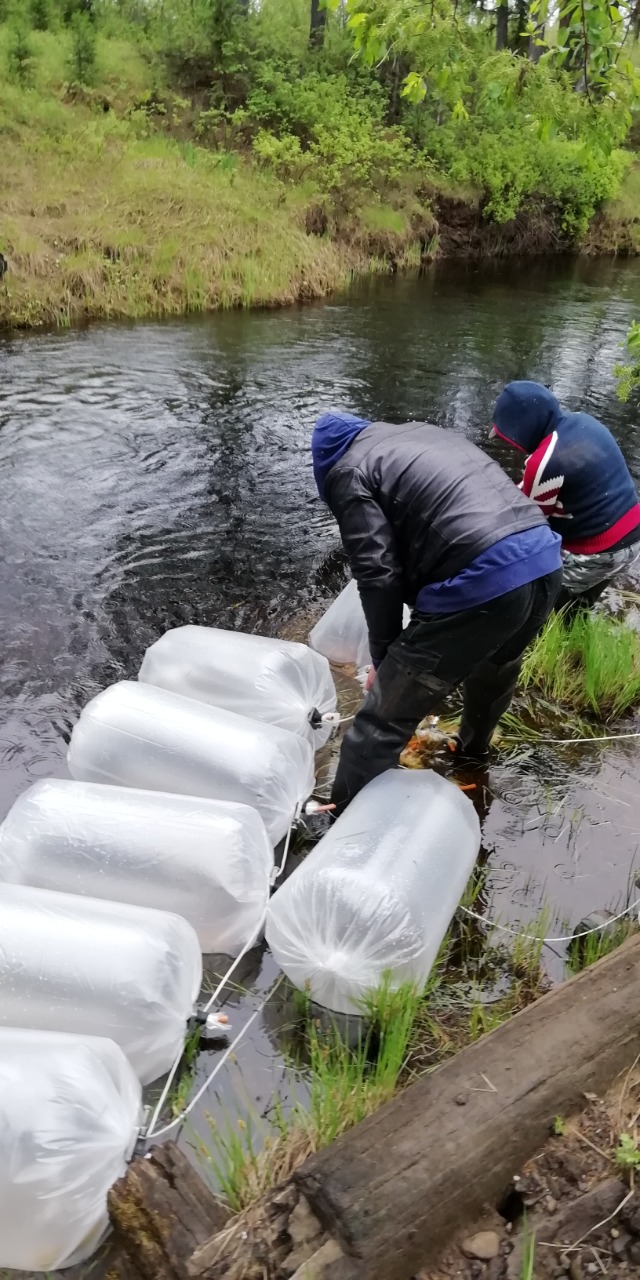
<point x="332" y="124"/>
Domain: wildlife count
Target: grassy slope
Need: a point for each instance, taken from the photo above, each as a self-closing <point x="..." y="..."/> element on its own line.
<point x="97" y="222"/>
<point x="101" y="216"/>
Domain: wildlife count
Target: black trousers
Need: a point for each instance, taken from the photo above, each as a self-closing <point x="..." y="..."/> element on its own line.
<point x="481" y="648"/>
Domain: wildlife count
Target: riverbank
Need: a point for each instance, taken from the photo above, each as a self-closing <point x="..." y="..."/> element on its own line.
<point x="102" y="217"/>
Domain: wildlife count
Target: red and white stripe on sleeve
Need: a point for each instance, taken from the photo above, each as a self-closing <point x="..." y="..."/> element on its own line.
<point x="540" y="481"/>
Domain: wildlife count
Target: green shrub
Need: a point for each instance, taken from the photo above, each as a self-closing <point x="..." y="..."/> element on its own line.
<point x="83" y="59"/>
<point x="20" y="60"/>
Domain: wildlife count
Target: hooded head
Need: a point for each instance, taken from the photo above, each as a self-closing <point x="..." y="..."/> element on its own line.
<point x="331" y="438"/>
<point x="525" y="413"/>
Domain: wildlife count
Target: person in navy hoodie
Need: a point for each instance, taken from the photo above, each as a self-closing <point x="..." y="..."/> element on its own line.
<point x="576" y="474"/>
<point x="428" y="519"/>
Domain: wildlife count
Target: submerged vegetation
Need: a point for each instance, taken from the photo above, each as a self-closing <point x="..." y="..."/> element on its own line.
<point x="188" y="154"/>
<point x="587" y="662"/>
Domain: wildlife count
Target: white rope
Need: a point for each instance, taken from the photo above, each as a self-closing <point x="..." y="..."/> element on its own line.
<point x="532" y="937"/>
<point x="232" y="968"/>
<point x="277" y="871"/>
<point x="567" y="742"/>
<point x="218" y="1067"/>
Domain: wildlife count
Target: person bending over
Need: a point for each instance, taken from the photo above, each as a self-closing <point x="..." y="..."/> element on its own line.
<point x="576" y="474"/>
<point x="426" y="518"/>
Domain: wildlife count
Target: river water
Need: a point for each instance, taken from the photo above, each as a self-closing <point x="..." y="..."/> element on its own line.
<point x="158" y="474"/>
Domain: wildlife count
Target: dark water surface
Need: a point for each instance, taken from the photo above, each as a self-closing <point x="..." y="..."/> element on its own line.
<point x="158" y="474"/>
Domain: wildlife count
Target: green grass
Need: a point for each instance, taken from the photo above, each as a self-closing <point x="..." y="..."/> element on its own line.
<point x="588" y="663"/>
<point x="527" y="1271"/>
<point x="96" y="220"/>
<point x="179" y="1095"/>
<point x="346" y="1085"/>
<point x="584" y="952"/>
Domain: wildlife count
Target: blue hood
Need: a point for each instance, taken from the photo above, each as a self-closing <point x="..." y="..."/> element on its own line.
<point x="525" y="413"/>
<point x="331" y="438"/>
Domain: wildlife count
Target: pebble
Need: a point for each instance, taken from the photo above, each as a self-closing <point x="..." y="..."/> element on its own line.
<point x="614" y="1233"/>
<point x="550" y="1204"/>
<point x="592" y="1268"/>
<point x="619" y="1247"/>
<point x="484" y="1246"/>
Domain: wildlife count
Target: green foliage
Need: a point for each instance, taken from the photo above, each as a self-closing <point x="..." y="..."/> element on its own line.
<point x="588" y="662"/>
<point x="41" y="14"/>
<point x="627" y="1153"/>
<point x="83" y="59"/>
<point x="628" y="375"/>
<point x="20" y="58"/>
<point x="398" y="104"/>
<point x="327" y="125"/>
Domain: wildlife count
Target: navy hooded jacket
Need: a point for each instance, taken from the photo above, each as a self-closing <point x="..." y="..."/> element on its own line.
<point x="575" y="470"/>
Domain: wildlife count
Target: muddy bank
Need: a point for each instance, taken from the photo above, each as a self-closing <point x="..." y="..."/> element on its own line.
<point x="574" y="1208"/>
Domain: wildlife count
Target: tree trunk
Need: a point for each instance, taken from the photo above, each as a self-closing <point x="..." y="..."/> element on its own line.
<point x="389" y="1196"/>
<point x="161" y="1211"/>
<point x="535" y="48"/>
<point x="502" y="25"/>
<point x="318" y="24"/>
<point x="520" y="41"/>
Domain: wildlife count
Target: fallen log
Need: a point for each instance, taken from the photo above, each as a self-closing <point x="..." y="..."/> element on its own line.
<point x="388" y="1196"/>
<point x="160" y="1212"/>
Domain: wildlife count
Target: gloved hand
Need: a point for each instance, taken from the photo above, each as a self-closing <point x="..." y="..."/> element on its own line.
<point x="370" y="679"/>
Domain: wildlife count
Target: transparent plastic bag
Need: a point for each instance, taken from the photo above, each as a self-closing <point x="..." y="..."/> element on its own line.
<point x="98" y="968"/>
<point x="210" y="861"/>
<point x="378" y="892"/>
<point x="138" y="736"/>
<point x="70" y="1112"/>
<point x="278" y="681"/>
<point x="341" y="635"/>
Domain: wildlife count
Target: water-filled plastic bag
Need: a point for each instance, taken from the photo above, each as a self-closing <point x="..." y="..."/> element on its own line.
<point x="138" y="736"/>
<point x="341" y="635"/>
<point x="70" y="1110"/>
<point x="208" y="860"/>
<point x="98" y="968"/>
<point x="378" y="892"/>
<point x="277" y="681"/>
